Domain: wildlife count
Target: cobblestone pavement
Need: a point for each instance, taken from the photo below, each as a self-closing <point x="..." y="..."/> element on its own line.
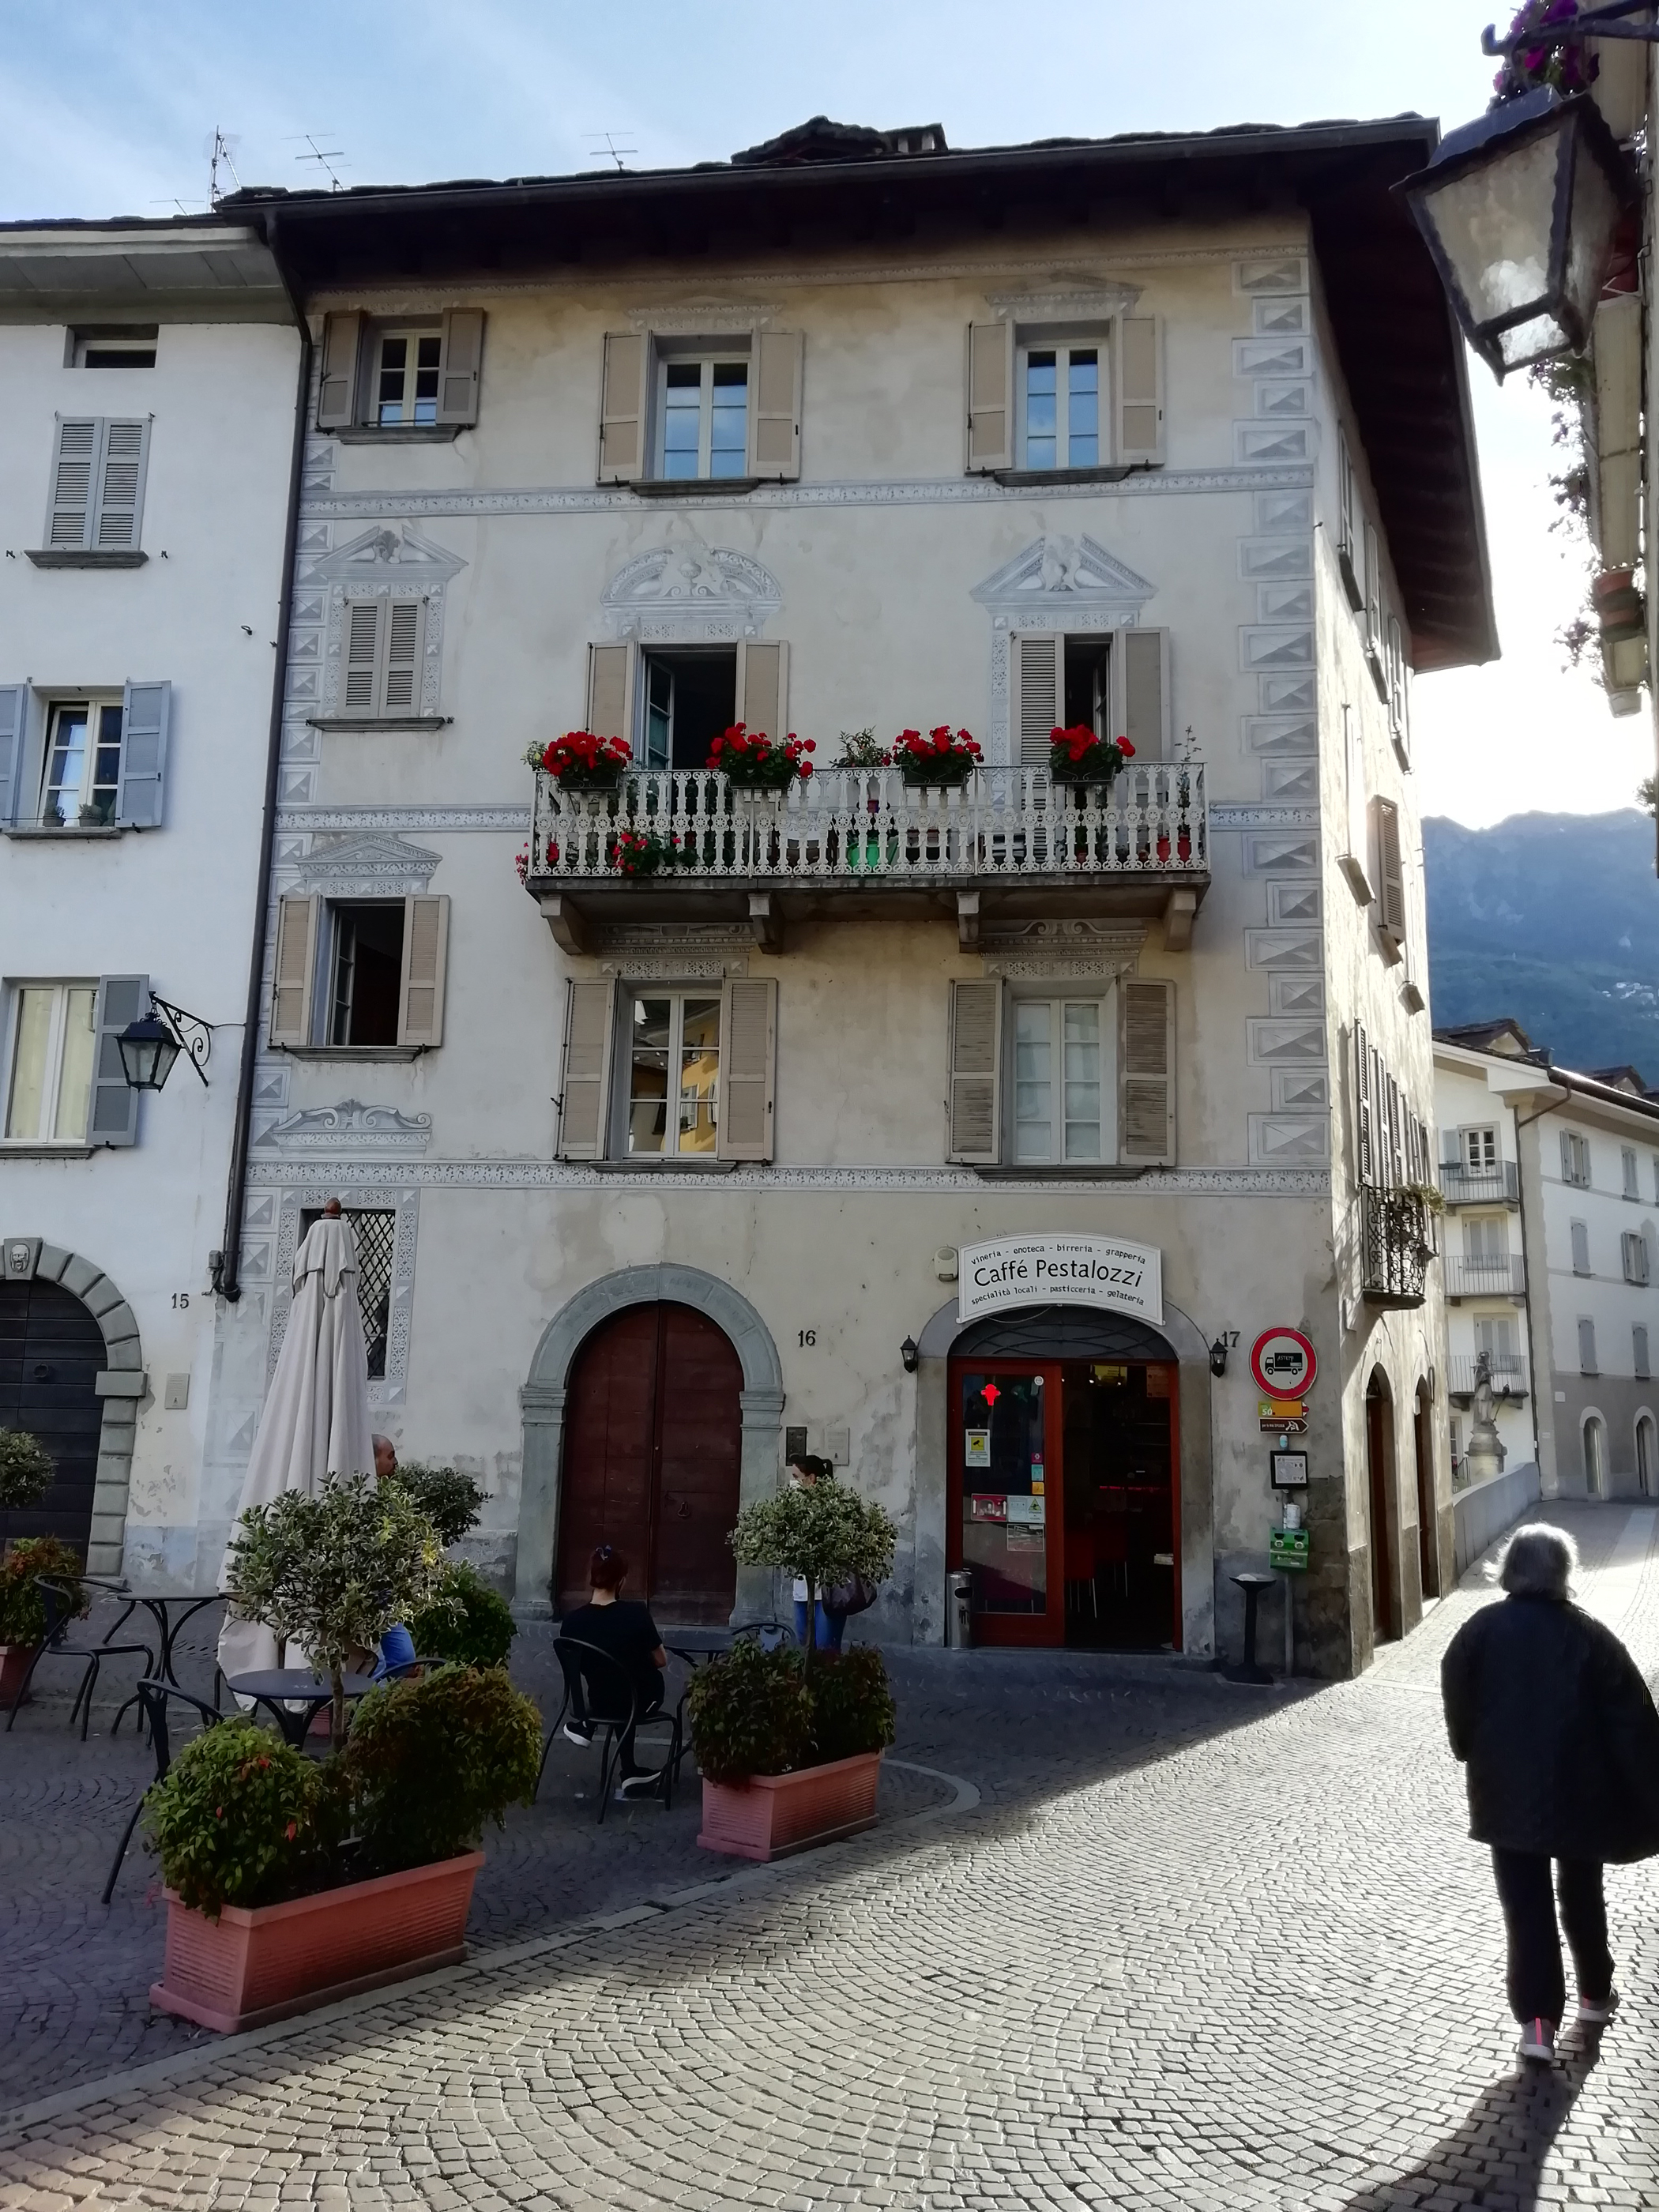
<point x="1193" y="1947"/>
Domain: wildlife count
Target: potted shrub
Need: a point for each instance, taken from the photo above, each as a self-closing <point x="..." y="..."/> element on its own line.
<point x="580" y="762"/>
<point x="290" y="1884"/>
<point x="470" y="1624"/>
<point x="939" y="759"/>
<point x="451" y="1501"/>
<point x="636" y="853"/>
<point x="22" y="1608"/>
<point x="752" y="761"/>
<point x="1077" y="756"/>
<point x="790" y="1742"/>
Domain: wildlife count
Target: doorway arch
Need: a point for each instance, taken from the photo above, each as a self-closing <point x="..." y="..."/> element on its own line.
<point x="1428" y="1531"/>
<point x="1380" y="1488"/>
<point x="1647" y="1453"/>
<point x="1596" y="1456"/>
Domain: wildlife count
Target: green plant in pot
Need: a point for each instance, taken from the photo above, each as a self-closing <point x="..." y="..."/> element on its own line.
<point x="451" y="1501"/>
<point x="242" y="1819"/>
<point x="472" y="1623"/>
<point x="822" y="1533"/>
<point x="429" y="1763"/>
<point x="22" y="1607"/>
<point x="26" y="1469"/>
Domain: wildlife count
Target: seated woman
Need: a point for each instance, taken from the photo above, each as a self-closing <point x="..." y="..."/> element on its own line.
<point x="622" y="1628"/>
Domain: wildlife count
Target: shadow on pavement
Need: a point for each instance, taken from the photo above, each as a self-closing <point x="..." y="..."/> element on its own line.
<point x="1495" y="2157"/>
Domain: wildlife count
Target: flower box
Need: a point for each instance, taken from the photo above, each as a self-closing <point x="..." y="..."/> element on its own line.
<point x="948" y="772"/>
<point x="580" y="762"/>
<point x="772" y="1815"/>
<point x="270" y="1961"/>
<point x="13" y="1665"/>
<point x="939" y="758"/>
<point x="1077" y="756"/>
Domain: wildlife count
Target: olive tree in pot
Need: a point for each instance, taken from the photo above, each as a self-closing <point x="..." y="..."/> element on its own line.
<point x="790" y="1742"/>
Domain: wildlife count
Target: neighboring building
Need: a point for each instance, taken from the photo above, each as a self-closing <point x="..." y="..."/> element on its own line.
<point x="150" y="371"/>
<point x="1584" y="1249"/>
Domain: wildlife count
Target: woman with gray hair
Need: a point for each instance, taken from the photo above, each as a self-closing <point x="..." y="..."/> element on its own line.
<point x="1545" y="1709"/>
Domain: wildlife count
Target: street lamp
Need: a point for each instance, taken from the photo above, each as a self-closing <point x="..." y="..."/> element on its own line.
<point x="150" y="1045"/>
<point x="1521" y="210"/>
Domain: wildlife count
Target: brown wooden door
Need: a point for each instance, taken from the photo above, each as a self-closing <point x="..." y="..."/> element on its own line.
<point x="1379" y="1454"/>
<point x="1428" y="1535"/>
<point x="653" y="1440"/>
<point x="51" y="1351"/>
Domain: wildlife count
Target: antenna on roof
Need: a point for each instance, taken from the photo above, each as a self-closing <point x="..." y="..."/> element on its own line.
<point x="219" y="148"/>
<point x="605" y="143"/>
<point x="324" y="156"/>
<point x="172" y="201"/>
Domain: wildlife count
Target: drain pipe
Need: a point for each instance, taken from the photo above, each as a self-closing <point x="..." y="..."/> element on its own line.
<point x="226" y="1262"/>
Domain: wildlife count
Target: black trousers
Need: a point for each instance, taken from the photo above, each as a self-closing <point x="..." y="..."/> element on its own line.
<point x="648" y="1686"/>
<point x="1537" y="1989"/>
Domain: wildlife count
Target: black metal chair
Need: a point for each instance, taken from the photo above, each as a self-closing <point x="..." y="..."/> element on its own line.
<point x="600" y="1693"/>
<point x="770" y="1635"/>
<point x="61" y="1614"/>
<point x="152" y="1697"/>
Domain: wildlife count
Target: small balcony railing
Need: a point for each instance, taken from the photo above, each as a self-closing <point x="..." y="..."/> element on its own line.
<point x="1509" y="1375"/>
<point x="1486" y="1275"/>
<point x="1495" y="1186"/>
<point x="1397" y="1229"/>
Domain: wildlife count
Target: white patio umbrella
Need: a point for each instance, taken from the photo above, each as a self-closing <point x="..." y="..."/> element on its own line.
<point x="315" y="1421"/>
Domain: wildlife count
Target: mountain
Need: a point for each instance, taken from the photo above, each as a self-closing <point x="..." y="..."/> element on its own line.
<point x="1553" y="919"/>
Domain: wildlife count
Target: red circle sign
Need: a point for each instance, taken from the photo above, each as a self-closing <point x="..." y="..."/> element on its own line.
<point x="1284" y="1362"/>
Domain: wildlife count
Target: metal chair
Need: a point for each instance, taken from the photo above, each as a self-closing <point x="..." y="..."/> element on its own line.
<point x="152" y="1697"/>
<point x="599" y="1693"/>
<point x="61" y="1611"/>
<point x="770" y="1635"/>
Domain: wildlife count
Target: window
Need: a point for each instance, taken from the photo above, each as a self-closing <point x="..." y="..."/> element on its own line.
<point x="671" y="706"/>
<point x="675" y="411"/>
<point x="1655" y="1178"/>
<point x="84" y="763"/>
<point x="1586" y="1347"/>
<point x="1058" y="1092"/>
<point x="1350" y="555"/>
<point x="663" y="1074"/>
<point x="702" y="419"/>
<point x="689" y="698"/>
<point x="1627" y="1164"/>
<point x="1580" y="1233"/>
<point x="384" y="640"/>
<point x="359" y="976"/>
<point x="98" y="469"/>
<point x="1486" y="1249"/>
<point x="1633" y="1250"/>
<point x="375" y="1231"/>
<point x="406" y="371"/>
<point x="1116" y="683"/>
<point x="365" y="962"/>
<point x="113" y="345"/>
<point x="1494" y="1334"/>
<point x="1060" y="406"/>
<point x="1595" y="1451"/>
<point x="1055" y="398"/>
<point x="1088" y="1077"/>
<point x="1479" y="1149"/>
<point x="673" y="1079"/>
<point x="1396" y="675"/>
<point x="410" y="376"/>
<point x="1374" y="603"/>
<point x="1575" y="1160"/>
<point x="80" y="775"/>
<point x="1638" y="1340"/>
<point x="64" y="1081"/>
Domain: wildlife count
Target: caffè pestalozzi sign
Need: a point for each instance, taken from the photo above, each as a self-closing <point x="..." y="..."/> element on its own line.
<point x="1074" y="1271"/>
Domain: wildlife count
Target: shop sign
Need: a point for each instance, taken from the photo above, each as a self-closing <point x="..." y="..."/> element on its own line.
<point x="1287" y="1550"/>
<point x="1041" y="1271"/>
<point x="1284" y="1362"/>
<point x="1284" y="1424"/>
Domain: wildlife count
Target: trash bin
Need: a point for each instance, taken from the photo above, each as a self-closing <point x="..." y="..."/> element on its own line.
<point x="959" y="1609"/>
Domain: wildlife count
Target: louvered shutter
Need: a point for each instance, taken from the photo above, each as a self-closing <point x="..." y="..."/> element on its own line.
<point x="1391" y="881"/>
<point x="459" y="360"/>
<point x="336" y="387"/>
<point x="610" y="691"/>
<point x="1579" y="1233"/>
<point x="1140" y="389"/>
<point x="775" y="417"/>
<point x="420" y="985"/>
<point x="296" y="970"/>
<point x="748" y="1045"/>
<point x="623" y="407"/>
<point x="1587" y="1348"/>
<point x="145" y="711"/>
<point x="1355" y="862"/>
<point x="112" y="1110"/>
<point x="975" y="1105"/>
<point x="359" y="685"/>
<point x="1140" y="690"/>
<point x="1344" y="500"/>
<point x="1145" y="1071"/>
<point x="1039" y="695"/>
<point x="1364" y="1133"/>
<point x="74" y="475"/>
<point x="14" y="712"/>
<point x="1373" y="592"/>
<point x="990" y="397"/>
<point x="589" y="1017"/>
<point x="1397" y="721"/>
<point x="763" y="687"/>
<point x="399" y="688"/>
<point x="124" y="451"/>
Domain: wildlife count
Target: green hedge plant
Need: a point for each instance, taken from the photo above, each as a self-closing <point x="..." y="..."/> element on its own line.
<point x="239" y="1819"/>
<point x="750" y="1713"/>
<point x="852" y="1708"/>
<point x="22" y="1607"/>
<point x="451" y="1501"/>
<point x="428" y="1763"/>
<point x="26" y="1469"/>
<point x="473" y="1624"/>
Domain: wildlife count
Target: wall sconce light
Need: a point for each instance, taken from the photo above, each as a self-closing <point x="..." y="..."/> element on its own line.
<point x="1219" y="1357"/>
<point x="909" y="1355"/>
<point x="150" y="1045"/>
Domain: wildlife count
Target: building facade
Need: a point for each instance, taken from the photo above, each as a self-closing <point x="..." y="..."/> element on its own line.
<point x="151" y="373"/>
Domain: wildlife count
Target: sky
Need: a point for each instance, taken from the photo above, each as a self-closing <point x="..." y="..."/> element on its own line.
<point x="111" y="105"/>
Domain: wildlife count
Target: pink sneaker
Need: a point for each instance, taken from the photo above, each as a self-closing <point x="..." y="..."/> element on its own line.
<point x="1596" y="2012"/>
<point x="1537" y="2040"/>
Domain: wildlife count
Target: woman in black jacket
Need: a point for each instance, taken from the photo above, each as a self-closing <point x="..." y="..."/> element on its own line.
<point x="1556" y="1727"/>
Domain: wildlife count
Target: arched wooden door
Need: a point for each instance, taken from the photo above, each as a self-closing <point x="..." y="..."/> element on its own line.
<point x="52" y="1352"/>
<point x="1379" y="1456"/>
<point x="652" y="1450"/>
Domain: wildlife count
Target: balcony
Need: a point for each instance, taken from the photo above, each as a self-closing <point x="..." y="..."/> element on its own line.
<point x="1397" y="1232"/>
<point x="1493" y="1186"/>
<point x="1508" y="1377"/>
<point x="1486" y="1275"/>
<point x="1011" y="846"/>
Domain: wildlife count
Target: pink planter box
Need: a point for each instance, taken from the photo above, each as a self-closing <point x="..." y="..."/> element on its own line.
<point x="772" y="1815"/>
<point x="13" y="1665"/>
<point x="263" y="1963"/>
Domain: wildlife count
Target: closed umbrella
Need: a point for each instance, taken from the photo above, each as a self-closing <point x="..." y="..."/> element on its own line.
<point x="315" y="1421"/>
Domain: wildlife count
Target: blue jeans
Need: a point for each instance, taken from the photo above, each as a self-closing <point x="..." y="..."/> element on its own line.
<point x="831" y="1626"/>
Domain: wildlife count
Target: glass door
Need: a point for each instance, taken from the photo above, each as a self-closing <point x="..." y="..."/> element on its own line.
<point x="1006" y="1498"/>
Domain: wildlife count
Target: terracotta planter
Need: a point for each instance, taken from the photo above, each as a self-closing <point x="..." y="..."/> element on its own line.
<point x="264" y="1963"/>
<point x="13" y="1665"/>
<point x="772" y="1815"/>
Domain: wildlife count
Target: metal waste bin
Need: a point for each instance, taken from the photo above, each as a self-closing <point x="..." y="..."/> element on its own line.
<point x="959" y="1609"/>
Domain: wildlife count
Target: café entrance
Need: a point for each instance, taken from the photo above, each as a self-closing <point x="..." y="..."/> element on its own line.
<point x="1064" y="1504"/>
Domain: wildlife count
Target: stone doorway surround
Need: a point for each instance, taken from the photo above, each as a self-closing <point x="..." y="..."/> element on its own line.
<point x="121" y="1386"/>
<point x="542" y="1402"/>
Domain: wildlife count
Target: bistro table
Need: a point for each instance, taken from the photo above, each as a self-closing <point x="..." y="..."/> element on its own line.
<point x="277" y="1688"/>
<point x="693" y="1644"/>
<point x="168" y="1608"/>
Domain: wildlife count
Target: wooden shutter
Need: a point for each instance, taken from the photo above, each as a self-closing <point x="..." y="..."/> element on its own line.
<point x="1365" y="1132"/>
<point x="990" y="397"/>
<point x="459" y="365"/>
<point x="113" y="1109"/>
<point x="1344" y="499"/>
<point x="1587" y="1348"/>
<point x="975" y="1105"/>
<point x="1039" y="695"/>
<point x="1390" y="870"/>
<point x="610" y="691"/>
<point x="1355" y="862"/>
<point x="296" y="970"/>
<point x="1140" y="389"/>
<point x="359" y="688"/>
<point x="1145" y="1071"/>
<point x="623" y="406"/>
<point x="748" y="1047"/>
<point x="14" y="721"/>
<point x="1373" y="592"/>
<point x="589" y="1018"/>
<point x="145" y="710"/>
<point x="124" y="451"/>
<point x="763" y="687"/>
<point x="1140" y="690"/>
<point x="336" y="387"/>
<point x="775" y="415"/>
<point x="74" y="466"/>
<point x="420" y="985"/>
<point x="1397" y="689"/>
<point x="397" y="687"/>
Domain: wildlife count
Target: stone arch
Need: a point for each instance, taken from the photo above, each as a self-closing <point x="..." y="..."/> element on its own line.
<point x="121" y="1386"/>
<point x="542" y="1401"/>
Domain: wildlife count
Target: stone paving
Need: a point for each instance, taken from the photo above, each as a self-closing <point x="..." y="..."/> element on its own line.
<point x="1194" y="1946"/>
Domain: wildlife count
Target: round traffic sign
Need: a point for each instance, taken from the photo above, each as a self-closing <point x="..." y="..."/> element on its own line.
<point x="1284" y="1362"/>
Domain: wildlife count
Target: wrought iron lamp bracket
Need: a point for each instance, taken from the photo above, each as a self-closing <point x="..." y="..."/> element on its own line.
<point x="1604" y="23"/>
<point x="192" y="1035"/>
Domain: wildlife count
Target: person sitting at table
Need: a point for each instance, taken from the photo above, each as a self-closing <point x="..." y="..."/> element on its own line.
<point x="622" y="1628"/>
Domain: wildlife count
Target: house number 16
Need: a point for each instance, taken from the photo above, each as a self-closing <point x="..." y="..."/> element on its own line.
<point x="808" y="1336"/>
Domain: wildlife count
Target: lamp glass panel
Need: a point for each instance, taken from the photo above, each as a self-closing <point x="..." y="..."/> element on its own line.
<point x="1495" y="223"/>
<point x="1536" y="340"/>
<point x="1592" y="223"/>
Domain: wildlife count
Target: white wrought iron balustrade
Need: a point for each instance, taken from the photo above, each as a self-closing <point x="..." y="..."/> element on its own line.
<point x="867" y="824"/>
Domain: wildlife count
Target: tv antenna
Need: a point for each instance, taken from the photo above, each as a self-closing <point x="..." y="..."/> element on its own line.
<point x="324" y="157"/>
<point x="603" y="142"/>
<point x="219" y="148"/>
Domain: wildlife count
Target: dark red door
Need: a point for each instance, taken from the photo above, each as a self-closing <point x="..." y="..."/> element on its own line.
<point x="51" y="1351"/>
<point x="653" y="1440"/>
